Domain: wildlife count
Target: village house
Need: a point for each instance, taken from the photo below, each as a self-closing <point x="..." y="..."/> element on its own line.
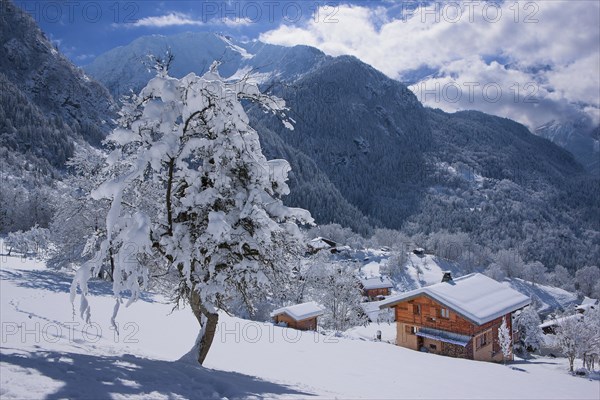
<point x="419" y="251"/>
<point x="457" y="317"/>
<point x="376" y="286"/>
<point x="549" y="327"/>
<point x="300" y="316"/>
<point x="319" y="243"/>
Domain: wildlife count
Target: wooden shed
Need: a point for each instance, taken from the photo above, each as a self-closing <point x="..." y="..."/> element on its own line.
<point x="300" y="316"/>
<point x="458" y="317"/>
<point x="374" y="287"/>
<point x="320" y="243"/>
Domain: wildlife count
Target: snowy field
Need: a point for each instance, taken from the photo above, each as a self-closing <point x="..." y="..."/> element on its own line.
<point x="48" y="352"/>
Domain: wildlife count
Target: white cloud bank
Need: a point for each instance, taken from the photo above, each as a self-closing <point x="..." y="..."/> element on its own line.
<point x="167" y="20"/>
<point x="530" y="61"/>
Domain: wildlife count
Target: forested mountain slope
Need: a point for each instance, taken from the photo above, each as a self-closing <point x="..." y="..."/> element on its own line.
<point x="46" y="106"/>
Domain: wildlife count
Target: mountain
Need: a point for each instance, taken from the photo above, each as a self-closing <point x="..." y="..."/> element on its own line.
<point x="47" y="107"/>
<point x="423" y="170"/>
<point x="127" y="68"/>
<point x="578" y="137"/>
<point x="365" y="153"/>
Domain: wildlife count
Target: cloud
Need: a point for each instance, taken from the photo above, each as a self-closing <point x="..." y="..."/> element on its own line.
<point x="167" y="20"/>
<point x="544" y="56"/>
<point x="234" y="22"/>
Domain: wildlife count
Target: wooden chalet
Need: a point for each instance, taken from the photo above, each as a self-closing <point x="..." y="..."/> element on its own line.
<point x="457" y="317"/>
<point x="549" y="326"/>
<point x="377" y="286"/>
<point x="300" y="316"/>
<point x="320" y="243"/>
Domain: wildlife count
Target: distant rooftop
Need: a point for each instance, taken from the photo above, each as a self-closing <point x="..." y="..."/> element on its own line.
<point x="476" y="297"/>
<point x="322" y="243"/>
<point x="301" y="311"/>
<point x="376" y="282"/>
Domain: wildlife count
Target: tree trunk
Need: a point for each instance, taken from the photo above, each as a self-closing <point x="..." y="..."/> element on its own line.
<point x="208" y="325"/>
<point x="571" y="362"/>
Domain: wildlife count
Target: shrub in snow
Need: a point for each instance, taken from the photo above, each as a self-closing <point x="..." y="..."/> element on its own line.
<point x="505" y="339"/>
<point x="194" y="204"/>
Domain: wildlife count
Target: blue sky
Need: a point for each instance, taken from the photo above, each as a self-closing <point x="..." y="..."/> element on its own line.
<point x="83" y="29"/>
<point x="532" y="61"/>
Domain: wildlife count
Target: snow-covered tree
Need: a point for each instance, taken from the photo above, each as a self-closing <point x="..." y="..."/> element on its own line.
<point x="195" y="205"/>
<point x="389" y="238"/>
<point x="586" y="278"/>
<point x="562" y="278"/>
<point x="505" y="339"/>
<point x="32" y="242"/>
<point x="510" y="262"/>
<point x="495" y="271"/>
<point x="395" y="266"/>
<point x="578" y="335"/>
<point x="589" y="346"/>
<point x="79" y="222"/>
<point x="530" y="335"/>
<point x="535" y="272"/>
<point x="569" y="336"/>
<point x="334" y="285"/>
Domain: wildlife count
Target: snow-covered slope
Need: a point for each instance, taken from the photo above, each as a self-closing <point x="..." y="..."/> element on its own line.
<point x="126" y="67"/>
<point x="578" y="137"/>
<point x="47" y="351"/>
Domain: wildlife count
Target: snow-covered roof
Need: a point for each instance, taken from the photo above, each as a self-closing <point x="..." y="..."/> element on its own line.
<point x="587" y="300"/>
<point x="476" y="297"/>
<point x="587" y="303"/>
<point x="558" y="321"/>
<point x="376" y="282"/>
<point x="322" y="243"/>
<point x="301" y="311"/>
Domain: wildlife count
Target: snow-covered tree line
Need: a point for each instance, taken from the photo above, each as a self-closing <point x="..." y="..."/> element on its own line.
<point x="460" y="249"/>
<point x="195" y="207"/>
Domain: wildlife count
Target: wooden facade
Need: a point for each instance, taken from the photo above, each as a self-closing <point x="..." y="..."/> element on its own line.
<point x="309" y="324"/>
<point x="373" y="293"/>
<point x="424" y="312"/>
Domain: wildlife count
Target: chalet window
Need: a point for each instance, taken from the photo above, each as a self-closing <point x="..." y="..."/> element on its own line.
<point x="417" y="309"/>
<point x="411" y="330"/>
<point x="433" y="347"/>
<point x="483" y="340"/>
<point x="444" y="313"/>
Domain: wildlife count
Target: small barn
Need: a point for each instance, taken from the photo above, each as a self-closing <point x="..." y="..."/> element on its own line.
<point x="457" y="317"/>
<point x="320" y="243"/>
<point x="419" y="251"/>
<point x="376" y="286"/>
<point x="300" y="316"/>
